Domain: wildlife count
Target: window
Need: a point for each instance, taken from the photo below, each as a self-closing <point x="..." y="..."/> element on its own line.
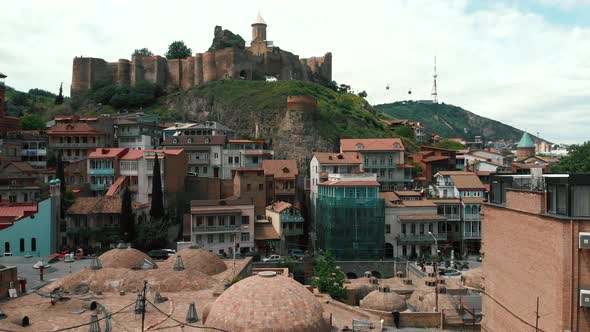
<point x="260" y="186"/>
<point x="12" y="198"/>
<point x="245" y="220"/>
<point x="421" y="229"/>
<point x="387" y="229"/>
<point x="221" y="221"/>
<point x="205" y="170"/>
<point x="22" y="245"/>
<point x="211" y="221"/>
<point x="404" y="229"/>
<point x="209" y="238"/>
<point x="232" y="220"/>
<point x="221" y="238"/>
<point x="245" y="237"/>
<point x="33" y="244"/>
<point x="216" y="155"/>
<point x="413" y="228"/>
<point x="248" y="187"/>
<point x="430" y="228"/>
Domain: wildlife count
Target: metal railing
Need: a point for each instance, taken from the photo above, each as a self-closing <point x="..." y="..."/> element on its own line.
<point x="101" y="171"/>
<point x="75" y="145"/>
<point x="421" y="237"/>
<point x="472" y="235"/>
<point x="217" y="228"/>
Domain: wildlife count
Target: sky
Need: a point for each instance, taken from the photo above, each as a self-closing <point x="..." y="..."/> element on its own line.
<point x="525" y="63"/>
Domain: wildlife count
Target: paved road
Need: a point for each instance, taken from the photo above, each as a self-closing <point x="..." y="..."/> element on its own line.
<point x="57" y="270"/>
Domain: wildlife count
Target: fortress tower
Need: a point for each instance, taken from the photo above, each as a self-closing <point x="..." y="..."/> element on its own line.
<point x="259" y="29"/>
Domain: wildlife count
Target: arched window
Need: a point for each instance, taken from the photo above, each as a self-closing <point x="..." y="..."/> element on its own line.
<point x="475" y="209"/>
<point x="22" y="245"/>
<point x="33" y="244"/>
<point x="6" y="246"/>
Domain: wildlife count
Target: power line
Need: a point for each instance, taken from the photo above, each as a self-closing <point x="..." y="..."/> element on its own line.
<point x="102" y="318"/>
<point x="184" y="323"/>
<point x="511" y="312"/>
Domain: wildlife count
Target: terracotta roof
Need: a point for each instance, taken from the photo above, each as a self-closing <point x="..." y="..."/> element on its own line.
<point x="472" y="200"/>
<point x="407" y="193"/>
<point x="467" y="181"/>
<point x="371" y="144"/>
<point x="125" y="122"/>
<point x="422" y="202"/>
<point x="107" y="152"/>
<point x="389" y="197"/>
<point x="73" y="128"/>
<point x="133" y="155"/>
<point x="195" y="140"/>
<point x="265" y="231"/>
<point x="279" y="206"/>
<point x="447" y="201"/>
<point x="432" y="148"/>
<point x="423" y="217"/>
<point x="404" y="166"/>
<point x="115" y="186"/>
<point x="384" y="301"/>
<point x="435" y="158"/>
<point x="23" y="167"/>
<point x="96" y="205"/>
<point x="248" y="169"/>
<point x="338" y="158"/>
<point x="17" y="211"/>
<point x="350" y="183"/>
<point x="280" y="169"/>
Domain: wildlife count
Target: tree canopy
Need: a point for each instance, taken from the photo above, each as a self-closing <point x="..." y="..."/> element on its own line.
<point x="327" y="277"/>
<point x="577" y="160"/>
<point x="178" y="50"/>
<point x="157" y="206"/>
<point x="59" y="99"/>
<point x="451" y="145"/>
<point x="127" y="218"/>
<point x="32" y="122"/>
<point x="142" y="52"/>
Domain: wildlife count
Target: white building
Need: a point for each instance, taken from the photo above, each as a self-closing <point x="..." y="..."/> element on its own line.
<point x="324" y="163"/>
<point x="243" y="153"/>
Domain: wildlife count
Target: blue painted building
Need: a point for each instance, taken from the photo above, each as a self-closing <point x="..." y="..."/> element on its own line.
<point x="38" y="233"/>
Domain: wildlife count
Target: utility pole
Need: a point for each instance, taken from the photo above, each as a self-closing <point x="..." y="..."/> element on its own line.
<point x="143" y="305"/>
<point x="435" y="272"/>
<point x="537" y="316"/>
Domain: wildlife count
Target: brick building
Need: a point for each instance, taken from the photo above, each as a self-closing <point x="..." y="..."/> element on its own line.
<point x="432" y="160"/>
<point x="76" y="136"/>
<point x="532" y="248"/>
<point x="281" y="177"/>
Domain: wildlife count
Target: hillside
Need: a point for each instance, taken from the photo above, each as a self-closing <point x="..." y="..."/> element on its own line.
<point x="451" y="121"/>
<point x="244" y="105"/>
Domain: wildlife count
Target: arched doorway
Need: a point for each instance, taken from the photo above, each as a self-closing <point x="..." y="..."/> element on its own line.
<point x="351" y="275"/>
<point x="33" y="244"/>
<point x="6" y="246"/>
<point x="388" y="250"/>
<point x="22" y="245"/>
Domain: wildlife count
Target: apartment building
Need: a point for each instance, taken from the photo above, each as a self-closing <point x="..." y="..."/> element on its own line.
<point x="536" y="245"/>
<point x="137" y="135"/>
<point x="432" y="160"/>
<point x="281" y="177"/>
<point x="218" y="225"/>
<point x="19" y="184"/>
<point x="207" y="128"/>
<point x="324" y="163"/>
<point x="239" y="153"/>
<point x="384" y="157"/>
<point x="103" y="168"/>
<point x="74" y="137"/>
<point x="250" y="183"/>
<point x="33" y="146"/>
<point x="459" y="196"/>
<point x="281" y="229"/>
<point x="204" y="153"/>
<point x="93" y="222"/>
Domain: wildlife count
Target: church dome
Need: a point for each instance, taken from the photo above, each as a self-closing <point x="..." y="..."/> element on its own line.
<point x="259" y="20"/>
<point x="267" y="302"/>
<point x="526" y="141"/>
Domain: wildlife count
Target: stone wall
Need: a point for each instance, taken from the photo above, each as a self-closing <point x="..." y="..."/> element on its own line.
<point x="302" y="103"/>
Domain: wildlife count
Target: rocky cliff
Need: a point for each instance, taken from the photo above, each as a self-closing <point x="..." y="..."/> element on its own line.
<point x="250" y="106"/>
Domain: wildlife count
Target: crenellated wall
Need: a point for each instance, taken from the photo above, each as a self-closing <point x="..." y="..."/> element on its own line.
<point x="202" y="68"/>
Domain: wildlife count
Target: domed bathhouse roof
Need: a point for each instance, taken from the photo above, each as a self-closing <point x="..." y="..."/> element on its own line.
<point x="124" y="258"/>
<point x="384" y="300"/>
<point x="267" y="302"/>
<point x="526" y="141"/>
<point x="197" y="259"/>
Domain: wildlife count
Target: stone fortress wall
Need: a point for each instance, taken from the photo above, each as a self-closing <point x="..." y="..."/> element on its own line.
<point x="257" y="61"/>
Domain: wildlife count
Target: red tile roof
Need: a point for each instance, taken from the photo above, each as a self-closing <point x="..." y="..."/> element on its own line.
<point x="350" y="183"/>
<point x="344" y="158"/>
<point x="371" y="144"/>
<point x="75" y="128"/>
<point x="435" y="158"/>
<point x="244" y="141"/>
<point x="419" y="203"/>
<point x="138" y="154"/>
<point x="107" y="152"/>
<point x="115" y="186"/>
<point x="23" y="167"/>
<point x="17" y="211"/>
<point x="96" y="205"/>
<point x="280" y="169"/>
<point x="279" y="206"/>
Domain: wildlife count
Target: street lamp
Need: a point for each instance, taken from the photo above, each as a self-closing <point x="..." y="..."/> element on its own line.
<point x="435" y="272"/>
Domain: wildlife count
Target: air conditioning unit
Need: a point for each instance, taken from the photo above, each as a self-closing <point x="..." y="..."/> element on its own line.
<point x="585" y="298"/>
<point x="584" y="240"/>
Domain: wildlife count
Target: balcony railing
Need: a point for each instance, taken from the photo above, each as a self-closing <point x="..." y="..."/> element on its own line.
<point x="33" y="152"/>
<point x="472" y="217"/>
<point x="421" y="237"/>
<point x="199" y="161"/>
<point x="216" y="229"/>
<point x="74" y="145"/>
<point x="98" y="186"/>
<point x="285" y="191"/>
<point x="252" y="164"/>
<point x="472" y="235"/>
<point x="101" y="171"/>
<point x="291" y="218"/>
<point x="452" y="216"/>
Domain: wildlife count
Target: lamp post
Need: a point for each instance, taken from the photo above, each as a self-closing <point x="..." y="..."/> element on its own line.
<point x="435" y="272"/>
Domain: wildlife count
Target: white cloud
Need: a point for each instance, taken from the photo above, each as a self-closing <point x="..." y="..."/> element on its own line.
<point x="498" y="61"/>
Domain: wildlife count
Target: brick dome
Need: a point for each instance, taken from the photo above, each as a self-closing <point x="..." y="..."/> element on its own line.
<point x="197" y="260"/>
<point x="267" y="302"/>
<point x="384" y="301"/>
<point x="124" y="258"/>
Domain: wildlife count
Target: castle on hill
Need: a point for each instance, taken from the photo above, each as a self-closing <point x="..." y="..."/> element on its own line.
<point x="228" y="57"/>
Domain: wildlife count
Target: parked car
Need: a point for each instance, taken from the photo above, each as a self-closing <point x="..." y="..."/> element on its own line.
<point x="255" y="256"/>
<point x="161" y="253"/>
<point x="272" y="258"/>
<point x="297" y="254"/>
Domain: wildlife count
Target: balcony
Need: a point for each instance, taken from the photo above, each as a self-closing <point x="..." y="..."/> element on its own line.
<point x="199" y="161"/>
<point x="425" y="238"/>
<point x="99" y="186"/>
<point x="281" y="191"/>
<point x="472" y="217"/>
<point x="471" y="235"/>
<point x="33" y="152"/>
<point x="253" y="164"/>
<point x="101" y="171"/>
<point x="216" y="229"/>
<point x="75" y="145"/>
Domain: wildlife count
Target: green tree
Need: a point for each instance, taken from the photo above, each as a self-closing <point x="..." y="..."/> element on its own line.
<point x="142" y="52"/>
<point x="59" y="99"/>
<point x="127" y="218"/>
<point x="178" y="50"/>
<point x="32" y="122"/>
<point x="363" y="94"/>
<point x="451" y="145"/>
<point x="60" y="174"/>
<point x="157" y="204"/>
<point x="405" y="131"/>
<point x="344" y="88"/>
<point x="42" y="93"/>
<point x="327" y="277"/>
<point x="576" y="161"/>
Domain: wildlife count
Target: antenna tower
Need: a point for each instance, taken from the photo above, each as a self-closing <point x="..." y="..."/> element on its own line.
<point x="434" y="92"/>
